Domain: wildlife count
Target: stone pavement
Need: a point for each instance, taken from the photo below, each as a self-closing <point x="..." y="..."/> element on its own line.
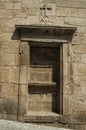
<point x="14" y="125"/>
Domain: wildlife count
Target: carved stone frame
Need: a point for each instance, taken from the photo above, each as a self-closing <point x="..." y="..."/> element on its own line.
<point x="64" y="41"/>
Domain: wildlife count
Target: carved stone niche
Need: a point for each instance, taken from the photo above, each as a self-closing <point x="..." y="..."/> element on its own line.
<point x="42" y="63"/>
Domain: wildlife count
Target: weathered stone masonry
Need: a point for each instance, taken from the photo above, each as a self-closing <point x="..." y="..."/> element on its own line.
<point x="25" y="23"/>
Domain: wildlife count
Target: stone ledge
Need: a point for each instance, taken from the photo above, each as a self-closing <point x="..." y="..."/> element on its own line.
<point x="42" y="84"/>
<point x="42" y="116"/>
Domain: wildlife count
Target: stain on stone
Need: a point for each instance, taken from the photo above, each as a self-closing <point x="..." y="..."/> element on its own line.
<point x="10" y="106"/>
<point x="0" y="88"/>
<point x="81" y="118"/>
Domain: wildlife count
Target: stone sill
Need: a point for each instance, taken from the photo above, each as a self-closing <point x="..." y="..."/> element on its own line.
<point x="51" y="84"/>
<point x="42" y="116"/>
<point x="40" y="66"/>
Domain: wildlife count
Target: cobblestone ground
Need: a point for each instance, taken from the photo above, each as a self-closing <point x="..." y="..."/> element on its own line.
<point x="13" y="125"/>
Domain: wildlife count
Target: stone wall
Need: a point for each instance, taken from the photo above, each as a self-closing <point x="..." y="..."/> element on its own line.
<point x="26" y="12"/>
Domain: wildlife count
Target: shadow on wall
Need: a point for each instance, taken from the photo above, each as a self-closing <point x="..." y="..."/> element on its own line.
<point x="16" y="35"/>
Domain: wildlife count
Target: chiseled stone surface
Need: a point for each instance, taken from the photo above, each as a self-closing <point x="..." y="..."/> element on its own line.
<point x="13" y="125"/>
<point x="15" y="59"/>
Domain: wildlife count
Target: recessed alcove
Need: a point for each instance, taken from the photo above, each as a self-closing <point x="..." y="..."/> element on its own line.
<point x="43" y="50"/>
<point x="44" y="83"/>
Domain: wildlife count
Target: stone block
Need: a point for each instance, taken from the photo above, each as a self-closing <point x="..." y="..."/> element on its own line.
<point x="78" y="117"/>
<point x="2" y="5"/>
<point x="6" y="14"/>
<point x="81" y="29"/>
<point x="39" y="106"/>
<point x="60" y="11"/>
<point x="1" y="105"/>
<point x="40" y="97"/>
<point x="65" y="53"/>
<point x="9" y="59"/>
<point x="8" y="89"/>
<point x="79" y="49"/>
<point x="29" y="4"/>
<point x="19" y="21"/>
<point x="77" y="127"/>
<point x="65" y="81"/>
<point x="11" y="1"/>
<point x="74" y="80"/>
<point x="8" y="22"/>
<point x="84" y="127"/>
<point x="24" y="60"/>
<point x="82" y="13"/>
<point x="59" y="21"/>
<point x="25" y="48"/>
<point x="41" y="69"/>
<point x="10" y="47"/>
<point x="69" y="3"/>
<point x="1" y="116"/>
<point x="67" y="89"/>
<point x="22" y="105"/>
<point x="0" y="88"/>
<point x="5" y="37"/>
<point x="40" y="77"/>
<point x="62" y="3"/>
<point x="74" y="12"/>
<point x="12" y="117"/>
<point x="11" y="104"/>
<point x="50" y="1"/>
<point x="20" y="13"/>
<point x="24" y="75"/>
<point x="75" y="21"/>
<point x="32" y="20"/>
<point x="12" y="5"/>
<point x="84" y="91"/>
<point x="6" y="29"/>
<point x="4" y="115"/>
<point x="52" y="20"/>
<point x="84" y="58"/>
<point x="82" y="84"/>
<point x="78" y="4"/>
<point x="76" y="58"/>
<point x="67" y="107"/>
<point x="81" y="68"/>
<point x="77" y="90"/>
<point x="82" y="38"/>
<point x="20" y="118"/>
<point x="34" y="11"/>
<point x="23" y="89"/>
<point x="76" y="40"/>
<point x="9" y="74"/>
<point x="66" y="71"/>
<point x="78" y="103"/>
<point x="73" y="69"/>
<point x="41" y="74"/>
<point x="82" y="80"/>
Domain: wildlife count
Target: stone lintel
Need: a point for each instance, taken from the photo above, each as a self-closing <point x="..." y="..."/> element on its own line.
<point x="42" y="33"/>
<point x="60" y="29"/>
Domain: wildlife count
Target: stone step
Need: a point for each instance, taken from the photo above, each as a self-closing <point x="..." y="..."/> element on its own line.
<point x="42" y="116"/>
